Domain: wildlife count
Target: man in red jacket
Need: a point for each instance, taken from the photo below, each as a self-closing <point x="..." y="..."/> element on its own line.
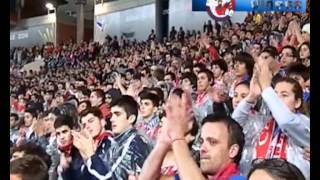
<point x="97" y="99"/>
<point x="212" y="50"/>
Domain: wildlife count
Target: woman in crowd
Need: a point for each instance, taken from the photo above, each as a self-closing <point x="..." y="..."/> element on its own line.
<point x="284" y="128"/>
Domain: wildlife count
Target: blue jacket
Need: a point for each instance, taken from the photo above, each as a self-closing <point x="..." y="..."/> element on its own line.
<point x="127" y="154"/>
<point x="78" y="169"/>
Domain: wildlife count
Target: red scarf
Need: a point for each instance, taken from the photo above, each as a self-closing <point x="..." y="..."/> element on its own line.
<point x="272" y="142"/>
<point x="201" y="98"/>
<point x="226" y="172"/>
<point x="66" y="149"/>
<point x="98" y="139"/>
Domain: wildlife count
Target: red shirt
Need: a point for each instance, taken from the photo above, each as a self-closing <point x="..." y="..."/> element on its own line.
<point x="213" y="53"/>
<point x="226" y="172"/>
<point x="104" y="110"/>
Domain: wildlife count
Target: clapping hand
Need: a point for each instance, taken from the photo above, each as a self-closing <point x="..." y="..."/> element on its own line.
<point x="255" y="90"/>
<point x="179" y="115"/>
<point x="84" y="143"/>
<point x="264" y="74"/>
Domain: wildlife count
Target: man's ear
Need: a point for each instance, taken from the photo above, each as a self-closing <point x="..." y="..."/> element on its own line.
<point x="234" y="150"/>
<point x="132" y="118"/>
<point x="155" y="109"/>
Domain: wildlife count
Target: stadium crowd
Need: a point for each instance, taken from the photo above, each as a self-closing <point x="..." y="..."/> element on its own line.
<point x="228" y="101"/>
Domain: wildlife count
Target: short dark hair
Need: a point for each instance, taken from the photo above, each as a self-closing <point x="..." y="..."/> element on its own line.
<point x="159" y="93"/>
<point x="30" y="167"/>
<point x="150" y="96"/>
<point x="294" y="51"/>
<point x="100" y="93"/>
<point x="278" y="169"/>
<point x="159" y="74"/>
<point x="247" y="59"/>
<point x="272" y="51"/>
<point x="85" y="91"/>
<point x="93" y="110"/>
<point x="236" y="135"/>
<point x="222" y="65"/>
<point x="32" y="111"/>
<point x="208" y="73"/>
<point x="191" y="77"/>
<point x="63" y="120"/>
<point x="87" y="102"/>
<point x="129" y="105"/>
<point x="172" y="75"/>
<point x="33" y="149"/>
<point x="299" y="69"/>
<point x="200" y="66"/>
<point x="15" y="115"/>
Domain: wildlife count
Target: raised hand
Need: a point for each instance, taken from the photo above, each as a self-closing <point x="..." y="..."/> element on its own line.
<point x="179" y="115"/>
<point x="264" y="74"/>
<point x="255" y="90"/>
<point x="84" y="144"/>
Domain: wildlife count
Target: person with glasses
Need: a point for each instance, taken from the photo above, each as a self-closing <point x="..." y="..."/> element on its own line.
<point x="274" y="169"/>
<point x="288" y="56"/>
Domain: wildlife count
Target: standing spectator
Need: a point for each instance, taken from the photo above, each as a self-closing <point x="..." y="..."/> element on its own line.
<point x="173" y="33"/>
<point x="129" y="151"/>
<point x="284" y="128"/>
<point x="149" y="122"/>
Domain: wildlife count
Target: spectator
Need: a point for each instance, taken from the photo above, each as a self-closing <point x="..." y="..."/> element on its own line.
<point x="97" y="99"/>
<point x="14" y="127"/>
<point x="304" y="54"/>
<point x="28" y="167"/>
<point x="90" y="144"/>
<point x="292" y="135"/>
<point x="288" y="56"/>
<point x="83" y="105"/>
<point x="213" y="165"/>
<point x="275" y="169"/>
<point x="131" y="148"/>
<point x="149" y="123"/>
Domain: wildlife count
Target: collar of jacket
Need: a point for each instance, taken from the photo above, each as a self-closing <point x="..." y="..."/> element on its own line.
<point x="125" y="135"/>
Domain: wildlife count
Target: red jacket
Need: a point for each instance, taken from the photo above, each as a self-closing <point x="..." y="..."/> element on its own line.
<point x="104" y="110"/>
<point x="213" y="53"/>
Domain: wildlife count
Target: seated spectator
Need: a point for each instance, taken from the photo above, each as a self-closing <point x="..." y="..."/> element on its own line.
<point x="28" y="167"/>
<point x="275" y="169"/>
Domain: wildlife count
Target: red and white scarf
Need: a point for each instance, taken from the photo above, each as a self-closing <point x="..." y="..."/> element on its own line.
<point x="272" y="142"/>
